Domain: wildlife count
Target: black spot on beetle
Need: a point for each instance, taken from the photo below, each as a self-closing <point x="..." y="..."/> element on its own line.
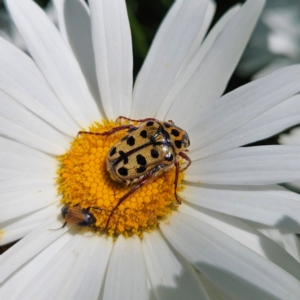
<point x="169" y="157"/>
<point x="141" y="169"/>
<point x="113" y="151"/>
<point x="154" y="153"/>
<point x="131" y="141"/>
<point x="150" y="123"/>
<point x="178" y="144"/>
<point x="123" y="157"/>
<point x="123" y="171"/>
<point x="175" y="132"/>
<point x="141" y="160"/>
<point x="143" y="134"/>
<point x="167" y="125"/>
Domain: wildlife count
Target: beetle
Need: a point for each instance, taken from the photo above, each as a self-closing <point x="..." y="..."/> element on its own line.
<point x="75" y="215"/>
<point x="145" y="151"/>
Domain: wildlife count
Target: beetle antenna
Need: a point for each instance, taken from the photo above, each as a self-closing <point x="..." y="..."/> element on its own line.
<point x="64" y="225"/>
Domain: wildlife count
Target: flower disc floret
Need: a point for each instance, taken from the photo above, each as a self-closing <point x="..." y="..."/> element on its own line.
<point x="85" y="182"/>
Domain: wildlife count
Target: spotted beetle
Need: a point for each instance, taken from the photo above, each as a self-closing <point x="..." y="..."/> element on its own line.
<point x="145" y="151"/>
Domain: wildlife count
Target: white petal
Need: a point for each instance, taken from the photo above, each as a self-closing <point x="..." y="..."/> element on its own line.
<point x="270" y="205"/>
<point x="266" y="124"/>
<point x="151" y="291"/>
<point x="18" y="202"/>
<point x="14" y="285"/>
<point x="29" y="246"/>
<point x="48" y="281"/>
<point x="169" y="271"/>
<point x="126" y="274"/>
<point x="197" y="44"/>
<point x="79" y="35"/>
<point x="289" y="241"/>
<point x="272" y="233"/>
<point x="85" y="279"/>
<point x="18" y="160"/>
<point x="17" y="228"/>
<point x="61" y="283"/>
<point x="237" y="270"/>
<point x="59" y="7"/>
<point x="210" y="79"/>
<point x="21" y="125"/>
<point x="292" y="138"/>
<point x="248" y="166"/>
<point x="20" y="134"/>
<point x="23" y="184"/>
<point x="58" y="65"/>
<point x="291" y="244"/>
<point x="188" y="69"/>
<point x="170" y="47"/>
<point x="213" y="291"/>
<point x="241" y="105"/>
<point x="246" y="235"/>
<point x="113" y="54"/>
<point x="23" y="81"/>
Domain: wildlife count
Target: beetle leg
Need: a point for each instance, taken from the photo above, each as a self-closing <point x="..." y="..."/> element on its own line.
<point x="110" y="132"/>
<point x="183" y="155"/>
<point x="133" y="120"/>
<point x="130" y="192"/>
<point x="176" y="181"/>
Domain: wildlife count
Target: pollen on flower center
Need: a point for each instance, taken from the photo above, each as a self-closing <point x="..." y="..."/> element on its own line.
<point x="85" y="182"/>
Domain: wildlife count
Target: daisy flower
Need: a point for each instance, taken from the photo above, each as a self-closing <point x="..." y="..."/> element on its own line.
<point x="218" y="243"/>
<point x="275" y="42"/>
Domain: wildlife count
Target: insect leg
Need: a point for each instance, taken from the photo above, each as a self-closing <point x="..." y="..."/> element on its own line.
<point x="130" y="192"/>
<point x="176" y="181"/>
<point x="183" y="155"/>
<point x="110" y="132"/>
<point x="133" y="120"/>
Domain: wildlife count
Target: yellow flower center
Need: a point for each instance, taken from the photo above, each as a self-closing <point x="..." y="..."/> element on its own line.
<point x="85" y="182"/>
